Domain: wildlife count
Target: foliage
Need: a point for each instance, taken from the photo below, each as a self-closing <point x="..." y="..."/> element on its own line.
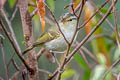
<point x="103" y="44"/>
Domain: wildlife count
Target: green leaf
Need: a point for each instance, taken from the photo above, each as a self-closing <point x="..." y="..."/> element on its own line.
<point x="86" y="75"/>
<point x="76" y="76"/>
<point x="98" y="72"/>
<point x="51" y="4"/>
<point x="116" y="54"/>
<point x="83" y="64"/>
<point x="11" y="3"/>
<point x="67" y="73"/>
<point x="101" y="58"/>
<point x="31" y="9"/>
<point x="80" y="61"/>
<point x="1" y="36"/>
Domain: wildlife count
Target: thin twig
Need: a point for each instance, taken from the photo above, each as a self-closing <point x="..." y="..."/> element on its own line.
<point x="85" y="59"/>
<point x="78" y="18"/>
<point x="10" y="60"/>
<point x="73" y="11"/>
<point x="50" y="22"/>
<point x="101" y="14"/>
<point x="14" y="46"/>
<point x="56" y="60"/>
<point x="11" y="30"/>
<point x="24" y="72"/>
<point x="57" y="24"/>
<point x="14" y="13"/>
<point x="116" y="31"/>
<point x="15" y="65"/>
<point x="69" y="45"/>
<point x="34" y="12"/>
<point x="4" y="58"/>
<point x="77" y="48"/>
<point x="101" y="35"/>
<point x="40" y="53"/>
<point x="44" y="71"/>
<point x="46" y="18"/>
<point x="24" y="75"/>
<point x="14" y="76"/>
<point x="93" y="14"/>
<point x="87" y="52"/>
<point x="78" y="7"/>
<point x="88" y="36"/>
<point x="115" y="23"/>
<point x="113" y="65"/>
<point x="53" y="75"/>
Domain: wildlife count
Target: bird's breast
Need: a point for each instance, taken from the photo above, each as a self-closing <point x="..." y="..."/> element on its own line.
<point x="58" y="44"/>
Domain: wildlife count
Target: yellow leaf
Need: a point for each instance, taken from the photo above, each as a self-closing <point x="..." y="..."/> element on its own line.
<point x="41" y="12"/>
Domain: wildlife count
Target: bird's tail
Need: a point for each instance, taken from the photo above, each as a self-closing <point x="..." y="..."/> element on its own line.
<point x="31" y="47"/>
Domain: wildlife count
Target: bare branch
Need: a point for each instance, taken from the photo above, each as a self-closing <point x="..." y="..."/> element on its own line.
<point x="69" y="45"/>
<point x="101" y="35"/>
<point x="92" y="31"/>
<point x="101" y="14"/>
<point x="14" y="13"/>
<point x="55" y="58"/>
<point x="4" y="58"/>
<point x="73" y="11"/>
<point x="40" y="53"/>
<point x="34" y="12"/>
<point x="10" y="60"/>
<point x="14" y="46"/>
<point x="53" y="75"/>
<point x="44" y="71"/>
<point x="11" y="30"/>
<point x="110" y="68"/>
<point x="84" y="57"/>
<point x="15" y="65"/>
<point x="115" y="23"/>
<point x="57" y="24"/>
<point x="15" y="76"/>
<point x="93" y="14"/>
<point x="89" y="54"/>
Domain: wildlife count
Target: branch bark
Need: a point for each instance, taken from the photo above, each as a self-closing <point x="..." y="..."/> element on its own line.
<point x="28" y="37"/>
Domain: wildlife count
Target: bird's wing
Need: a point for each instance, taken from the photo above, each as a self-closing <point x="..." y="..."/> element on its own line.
<point x="53" y="33"/>
<point x="48" y="36"/>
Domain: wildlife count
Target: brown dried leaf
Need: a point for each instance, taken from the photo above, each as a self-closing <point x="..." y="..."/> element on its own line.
<point x="41" y="12"/>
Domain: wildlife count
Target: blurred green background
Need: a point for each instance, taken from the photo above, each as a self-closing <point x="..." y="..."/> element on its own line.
<point x="77" y="69"/>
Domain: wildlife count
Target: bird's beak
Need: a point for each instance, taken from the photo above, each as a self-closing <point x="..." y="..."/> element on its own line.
<point x="63" y="20"/>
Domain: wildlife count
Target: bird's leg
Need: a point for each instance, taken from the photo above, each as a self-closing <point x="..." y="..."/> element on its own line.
<point x="55" y="58"/>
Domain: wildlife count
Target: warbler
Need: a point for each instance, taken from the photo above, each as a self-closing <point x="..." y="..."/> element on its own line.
<point x="52" y="39"/>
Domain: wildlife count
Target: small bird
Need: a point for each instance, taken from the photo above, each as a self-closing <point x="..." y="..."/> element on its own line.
<point x="53" y="40"/>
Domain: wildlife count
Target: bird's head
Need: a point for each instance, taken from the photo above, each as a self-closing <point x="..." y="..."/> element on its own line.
<point x="68" y="18"/>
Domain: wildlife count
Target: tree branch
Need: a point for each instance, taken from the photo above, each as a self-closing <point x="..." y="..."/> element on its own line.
<point x="88" y="36"/>
<point x="11" y="30"/>
<point x="28" y="37"/>
<point x="14" y="46"/>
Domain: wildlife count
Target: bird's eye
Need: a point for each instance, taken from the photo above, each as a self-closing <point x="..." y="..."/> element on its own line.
<point x="70" y="19"/>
